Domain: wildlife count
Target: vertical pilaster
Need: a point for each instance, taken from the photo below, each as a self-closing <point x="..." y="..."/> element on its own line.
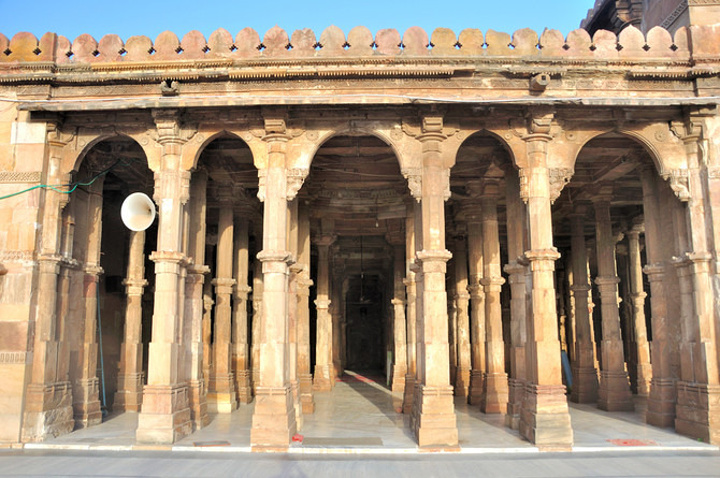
<point x="462" y="299"/>
<point x="661" y="399"/>
<point x="516" y="270"/>
<point x="585" y="376"/>
<point x="303" y="289"/>
<point x="165" y="412"/>
<point x="638" y="295"/>
<point x="240" y="343"/>
<point x="545" y="419"/>
<point x="434" y="419"/>
<point x="273" y="422"/>
<point x="195" y="304"/>
<point x="324" y="378"/>
<point x="477" y="295"/>
<point x="495" y="384"/>
<point x="293" y="300"/>
<point x="411" y="313"/>
<point x="614" y="392"/>
<point x="399" y="326"/>
<point x="86" y="388"/>
<point x="130" y="378"/>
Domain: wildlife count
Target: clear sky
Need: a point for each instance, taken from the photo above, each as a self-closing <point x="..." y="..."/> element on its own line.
<point x="151" y="17"/>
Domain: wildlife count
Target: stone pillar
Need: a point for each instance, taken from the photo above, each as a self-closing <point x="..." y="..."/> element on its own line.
<point x="516" y="269"/>
<point x="130" y="378"/>
<point x="477" y="295"/>
<point x="411" y="313"/>
<point x="545" y="420"/>
<point x="273" y="422"/>
<point x="240" y="343"/>
<point x="698" y="390"/>
<point x="338" y="293"/>
<point x="661" y="399"/>
<point x="399" y="370"/>
<point x="452" y="315"/>
<point x="324" y="379"/>
<point x="614" y="392"/>
<point x="495" y="384"/>
<point x="293" y="299"/>
<point x="644" y="369"/>
<point x="585" y="377"/>
<point x="434" y="419"/>
<point x="207" y="359"/>
<point x="257" y="305"/>
<point x="462" y="298"/>
<point x="165" y="413"/>
<point x="195" y="303"/>
<point x="86" y="389"/>
<point x="221" y="397"/>
<point x="303" y="289"/>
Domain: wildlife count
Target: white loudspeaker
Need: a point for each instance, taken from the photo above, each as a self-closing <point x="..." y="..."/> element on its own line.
<point x="137" y="212"/>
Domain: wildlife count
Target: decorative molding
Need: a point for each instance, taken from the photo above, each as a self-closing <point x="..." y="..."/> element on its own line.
<point x="295" y="179"/>
<point x="693" y="3"/>
<point x="559" y="177"/>
<point x="670" y="19"/>
<point x="20" y="177"/>
<point x="13" y="357"/>
<point x="16" y="256"/>
<point x="414" y="179"/>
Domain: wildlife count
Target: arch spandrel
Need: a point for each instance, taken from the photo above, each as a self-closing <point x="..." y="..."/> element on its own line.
<point x="252" y="137"/>
<point x="86" y="139"/>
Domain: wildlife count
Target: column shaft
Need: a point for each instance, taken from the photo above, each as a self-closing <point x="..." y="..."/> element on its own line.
<point x="324" y="375"/>
<point x="644" y="369"/>
<point x="303" y="288"/>
<point x="462" y="299"/>
<point x="240" y="343"/>
<point x="477" y="301"/>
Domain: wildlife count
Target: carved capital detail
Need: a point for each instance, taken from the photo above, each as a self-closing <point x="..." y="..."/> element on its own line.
<point x="679" y="183"/>
<point x="414" y="179"/>
<point x="559" y="177"/>
<point x="295" y="179"/>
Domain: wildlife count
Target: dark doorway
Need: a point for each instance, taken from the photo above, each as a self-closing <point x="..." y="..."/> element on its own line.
<point x="365" y="324"/>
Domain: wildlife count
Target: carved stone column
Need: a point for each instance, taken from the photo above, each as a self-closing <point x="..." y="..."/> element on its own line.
<point x="130" y="378"/>
<point x="324" y="379"/>
<point x="477" y="296"/>
<point x="545" y="419"/>
<point x="86" y="388"/>
<point x="221" y="397"/>
<point x="661" y="400"/>
<point x="495" y="384"/>
<point x="48" y="399"/>
<point x="273" y="421"/>
<point x="585" y="376"/>
<point x="195" y="303"/>
<point x="303" y="290"/>
<point x="293" y="299"/>
<point x="207" y="360"/>
<point x="240" y="343"/>
<point x="434" y="419"/>
<point x="644" y="369"/>
<point x="462" y="298"/>
<point x="338" y="293"/>
<point x="165" y="413"/>
<point x="614" y="392"/>
<point x="411" y="313"/>
<point x="257" y="305"/>
<point x="698" y="399"/>
<point x="399" y="326"/>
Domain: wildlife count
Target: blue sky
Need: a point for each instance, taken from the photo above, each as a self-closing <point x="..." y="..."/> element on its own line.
<point x="151" y="17"/>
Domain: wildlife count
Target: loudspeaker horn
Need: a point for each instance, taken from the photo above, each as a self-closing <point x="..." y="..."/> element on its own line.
<point x="137" y="212"/>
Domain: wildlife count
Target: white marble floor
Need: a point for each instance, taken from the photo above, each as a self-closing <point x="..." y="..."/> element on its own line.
<point x="359" y="415"/>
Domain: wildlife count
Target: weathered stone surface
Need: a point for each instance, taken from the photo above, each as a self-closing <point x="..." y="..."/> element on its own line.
<point x="415" y="42"/>
<point x="166" y="46"/>
<point x="360" y="40"/>
<point x="220" y="44"/>
<point x="247" y="43"/>
<point x="193" y="46"/>
<point x="276" y="42"/>
<point x="498" y="43"/>
<point x="387" y="42"/>
<point x="110" y="48"/>
<point x="138" y="48"/>
<point x="471" y="42"/>
<point x="332" y="41"/>
<point x="303" y="43"/>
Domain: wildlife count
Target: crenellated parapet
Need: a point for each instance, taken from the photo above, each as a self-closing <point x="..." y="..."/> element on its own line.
<point x="359" y="42"/>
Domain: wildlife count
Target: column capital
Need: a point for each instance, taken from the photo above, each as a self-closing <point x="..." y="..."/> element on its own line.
<point x="199" y="269"/>
<point x="274" y="256"/>
<point x="397" y="302"/>
<point x="513" y="268"/>
<point x="492" y="283"/>
<point x="93" y="270"/>
<point x="542" y="255"/>
<point x="168" y="256"/>
<point x="322" y="304"/>
<point x="655" y="272"/>
<point x="434" y="255"/>
<point x="325" y="240"/>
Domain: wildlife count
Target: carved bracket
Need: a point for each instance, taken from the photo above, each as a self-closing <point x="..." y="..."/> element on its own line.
<point x="559" y="177"/>
<point x="295" y="179"/>
<point x="679" y="183"/>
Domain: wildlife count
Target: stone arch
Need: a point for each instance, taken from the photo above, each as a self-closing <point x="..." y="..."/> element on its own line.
<point x="493" y="134"/>
<point x="86" y="142"/>
<point x="193" y="150"/>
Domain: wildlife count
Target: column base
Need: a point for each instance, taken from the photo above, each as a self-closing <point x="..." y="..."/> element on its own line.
<point x="306" y="393"/>
<point x="398" y="379"/>
<point x="273" y="422"/>
<point x="644" y="377"/>
<point x="661" y="403"/>
<point x="165" y="415"/>
<point x="129" y="396"/>
<point x="495" y="393"/>
<point x="516" y="394"/>
<point x="614" y="392"/>
<point x="297" y="406"/>
<point x="324" y="379"/>
<point x="698" y="411"/>
<point x="585" y="385"/>
<point x="408" y="394"/>
<point x="434" y="420"/>
<point x="221" y="394"/>
<point x="475" y="394"/>
<point x="462" y="382"/>
<point x="198" y="404"/>
<point x="243" y="386"/>
<point x="545" y="418"/>
<point x="48" y="412"/>
<point x="86" y="403"/>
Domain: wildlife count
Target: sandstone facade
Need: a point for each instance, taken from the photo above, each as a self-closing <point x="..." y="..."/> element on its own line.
<point x="459" y="211"/>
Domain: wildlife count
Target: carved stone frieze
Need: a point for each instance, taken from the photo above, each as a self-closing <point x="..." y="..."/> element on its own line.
<point x="20" y="176"/>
